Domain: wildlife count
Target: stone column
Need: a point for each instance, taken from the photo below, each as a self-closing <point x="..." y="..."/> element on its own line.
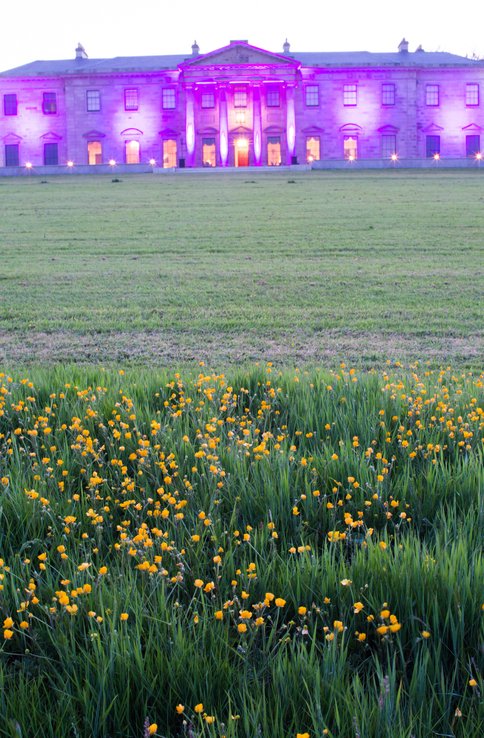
<point x="190" y="125"/>
<point x="223" y="127"/>
<point x="257" y="125"/>
<point x="290" y="123"/>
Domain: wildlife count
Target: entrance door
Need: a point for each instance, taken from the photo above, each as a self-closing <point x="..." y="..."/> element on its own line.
<point x="241" y="152"/>
<point x="132" y="152"/>
<point x="94" y="153"/>
<point x="169" y="153"/>
<point x="274" y="151"/>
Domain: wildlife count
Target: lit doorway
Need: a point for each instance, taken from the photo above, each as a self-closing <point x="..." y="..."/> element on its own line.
<point x="94" y="153"/>
<point x="241" y="152"/>
<point x="169" y="153"/>
<point x="132" y="152"/>
<point x="274" y="151"/>
<point x="209" y="153"/>
<point x="350" y="148"/>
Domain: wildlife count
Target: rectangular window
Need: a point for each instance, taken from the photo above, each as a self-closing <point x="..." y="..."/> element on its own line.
<point x="432" y="147"/>
<point x="432" y="95"/>
<point x="10" y="104"/>
<point x="51" y="154"/>
<point x="388" y="94"/>
<point x="472" y="94"/>
<point x="93" y="101"/>
<point x="168" y="98"/>
<point x="208" y="100"/>
<point x="313" y="149"/>
<point x="131" y="98"/>
<point x="350" y="148"/>
<point x="240" y="97"/>
<point x="12" y="155"/>
<point x="49" y="103"/>
<point x="274" y="158"/>
<point x="169" y="153"/>
<point x="94" y="153"/>
<point x="388" y="145"/>
<point x="273" y="98"/>
<point x="312" y="95"/>
<point x="350" y="94"/>
<point x="209" y="152"/>
<point x="473" y="145"/>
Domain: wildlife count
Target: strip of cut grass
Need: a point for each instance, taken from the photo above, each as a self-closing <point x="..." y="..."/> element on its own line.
<point x="298" y="552"/>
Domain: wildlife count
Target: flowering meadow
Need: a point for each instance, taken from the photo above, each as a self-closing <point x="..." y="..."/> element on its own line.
<point x="257" y="554"/>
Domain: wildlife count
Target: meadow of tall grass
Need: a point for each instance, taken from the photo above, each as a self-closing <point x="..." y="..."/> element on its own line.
<point x="257" y="554"/>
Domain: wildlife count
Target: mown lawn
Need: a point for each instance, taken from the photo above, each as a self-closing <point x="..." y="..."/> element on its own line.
<point x="230" y="267"/>
<point x="256" y="554"/>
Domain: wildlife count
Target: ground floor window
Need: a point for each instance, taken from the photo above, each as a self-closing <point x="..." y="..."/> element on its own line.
<point x="132" y="152"/>
<point x="350" y="148"/>
<point x="313" y="148"/>
<point x="51" y="154"/>
<point x="241" y="152"/>
<point x="169" y="153"/>
<point x="473" y="145"/>
<point x="432" y="146"/>
<point x="94" y="152"/>
<point x="388" y="146"/>
<point x="209" y="152"/>
<point x="12" y="155"/>
<point x="274" y="151"/>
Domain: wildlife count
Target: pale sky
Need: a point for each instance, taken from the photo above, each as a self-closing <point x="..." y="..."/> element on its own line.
<point x="51" y="29"/>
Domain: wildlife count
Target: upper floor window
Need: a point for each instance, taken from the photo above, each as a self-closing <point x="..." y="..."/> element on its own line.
<point x="388" y="93"/>
<point x="312" y="95"/>
<point x="168" y="98"/>
<point x="273" y="98"/>
<point x="93" y="101"/>
<point x="240" y="97"/>
<point x="131" y="98"/>
<point x="10" y="104"/>
<point x="350" y="94"/>
<point x="432" y="95"/>
<point x="49" y="103"/>
<point x="208" y="100"/>
<point x="472" y="94"/>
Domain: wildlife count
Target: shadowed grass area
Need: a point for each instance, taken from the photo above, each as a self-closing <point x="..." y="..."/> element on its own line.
<point x="261" y="553"/>
<point x="360" y="264"/>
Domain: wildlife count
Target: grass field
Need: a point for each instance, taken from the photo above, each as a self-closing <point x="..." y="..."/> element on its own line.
<point x="296" y="267"/>
<point x="257" y="555"/>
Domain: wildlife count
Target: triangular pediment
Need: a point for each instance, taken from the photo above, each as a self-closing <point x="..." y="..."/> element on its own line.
<point x="11" y="138"/>
<point x="388" y="129"/>
<point x="50" y="136"/>
<point x="472" y="128"/>
<point x="432" y="128"/>
<point x="93" y="135"/>
<point x="239" y="52"/>
<point x="241" y="130"/>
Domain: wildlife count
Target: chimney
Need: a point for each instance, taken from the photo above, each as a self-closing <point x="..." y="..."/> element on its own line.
<point x="403" y="46"/>
<point x="195" y="49"/>
<point x="420" y="48"/>
<point x="81" y="52"/>
<point x="286" y="46"/>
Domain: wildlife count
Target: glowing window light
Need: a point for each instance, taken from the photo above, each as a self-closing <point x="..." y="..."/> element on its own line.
<point x="28" y="165"/>
<point x="70" y="164"/>
<point x="240" y="117"/>
<point x="112" y="162"/>
<point x="351" y="157"/>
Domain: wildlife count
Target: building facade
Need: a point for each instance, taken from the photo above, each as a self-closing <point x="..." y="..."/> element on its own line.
<point x="242" y="106"/>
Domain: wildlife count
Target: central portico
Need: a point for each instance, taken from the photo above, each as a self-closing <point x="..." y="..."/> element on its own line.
<point x="239" y="107"/>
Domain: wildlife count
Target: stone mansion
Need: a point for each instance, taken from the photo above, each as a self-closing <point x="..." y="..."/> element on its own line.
<point x="241" y="105"/>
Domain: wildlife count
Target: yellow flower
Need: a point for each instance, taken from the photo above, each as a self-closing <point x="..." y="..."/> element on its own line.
<point x="209" y="719"/>
<point x="302" y="735"/>
<point x="103" y="570"/>
<point x="7" y="634"/>
<point x="472" y="682"/>
<point x="242" y="628"/>
<point x="219" y="615"/>
<point x="279" y="602"/>
<point x="302" y="610"/>
<point x="124" y="616"/>
<point x="199" y="708"/>
<point x="152" y="729"/>
<point x="198" y="583"/>
<point x="346" y="582"/>
<point x="385" y="614"/>
<point x="425" y="634"/>
<point x="7" y="623"/>
<point x="181" y="709"/>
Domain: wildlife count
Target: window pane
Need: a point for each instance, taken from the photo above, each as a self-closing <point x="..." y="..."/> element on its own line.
<point x="349" y="94"/>
<point x="273" y="98"/>
<point x="208" y="100"/>
<point x="10" y="104"/>
<point x="11" y="155"/>
<point x="472" y="94"/>
<point x="168" y="98"/>
<point x="388" y="146"/>
<point x="93" y="101"/>
<point x="240" y="97"/>
<point x="432" y="95"/>
<point x="49" y="103"/>
<point x="313" y="148"/>
<point x="432" y="146"/>
<point x="388" y="94"/>
<point x="312" y="95"/>
<point x="131" y="99"/>
<point x="51" y="154"/>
